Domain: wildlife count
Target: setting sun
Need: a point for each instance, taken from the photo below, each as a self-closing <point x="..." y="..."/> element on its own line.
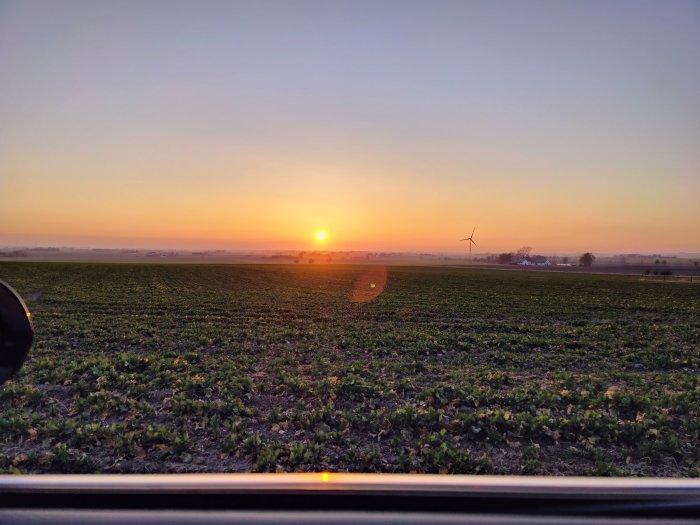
<point x="320" y="236"/>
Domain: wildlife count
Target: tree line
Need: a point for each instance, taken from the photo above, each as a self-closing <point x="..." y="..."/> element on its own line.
<point x="586" y="259"/>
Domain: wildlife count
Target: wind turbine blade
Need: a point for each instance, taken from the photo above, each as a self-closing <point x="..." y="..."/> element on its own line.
<point x="473" y="242"/>
<point x="472" y="235"/>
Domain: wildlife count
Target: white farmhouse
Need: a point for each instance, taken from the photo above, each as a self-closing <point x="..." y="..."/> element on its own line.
<point x="535" y="260"/>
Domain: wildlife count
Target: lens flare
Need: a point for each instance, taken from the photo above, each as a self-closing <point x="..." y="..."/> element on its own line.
<point x="369" y="284"/>
<point x="320" y="236"/>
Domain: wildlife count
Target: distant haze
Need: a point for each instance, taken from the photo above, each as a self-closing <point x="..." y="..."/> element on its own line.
<point x="390" y="125"/>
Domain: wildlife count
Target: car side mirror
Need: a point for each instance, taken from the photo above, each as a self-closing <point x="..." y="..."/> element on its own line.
<point x="16" y="332"/>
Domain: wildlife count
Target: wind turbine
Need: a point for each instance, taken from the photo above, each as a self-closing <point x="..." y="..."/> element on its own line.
<point x="471" y="241"/>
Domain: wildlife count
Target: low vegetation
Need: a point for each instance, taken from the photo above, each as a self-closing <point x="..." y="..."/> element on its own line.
<point x="174" y="368"/>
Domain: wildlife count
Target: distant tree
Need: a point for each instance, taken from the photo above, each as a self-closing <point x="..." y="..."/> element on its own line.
<point x="311" y="261"/>
<point x="586" y="259"/>
<point x="697" y="263"/>
<point x="565" y="260"/>
<point x="522" y="254"/>
<point x="663" y="262"/>
<point x="657" y="261"/>
<point x="505" y="258"/>
<point x="296" y="261"/>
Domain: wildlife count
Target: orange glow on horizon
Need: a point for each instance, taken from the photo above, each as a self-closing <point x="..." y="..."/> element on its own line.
<point x="397" y="215"/>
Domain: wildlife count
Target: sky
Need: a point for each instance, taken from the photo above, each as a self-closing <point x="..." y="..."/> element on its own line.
<point x="389" y="125"/>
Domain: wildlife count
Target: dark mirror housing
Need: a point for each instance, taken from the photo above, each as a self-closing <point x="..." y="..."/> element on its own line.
<point x="16" y="332"/>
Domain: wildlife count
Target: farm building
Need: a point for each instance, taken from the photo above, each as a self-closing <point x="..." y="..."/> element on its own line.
<point x="535" y="260"/>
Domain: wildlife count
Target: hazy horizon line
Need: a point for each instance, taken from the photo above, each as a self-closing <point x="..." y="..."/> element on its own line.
<point x="292" y="251"/>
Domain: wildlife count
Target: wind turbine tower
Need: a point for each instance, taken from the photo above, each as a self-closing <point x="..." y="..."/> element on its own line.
<point x="471" y="241"/>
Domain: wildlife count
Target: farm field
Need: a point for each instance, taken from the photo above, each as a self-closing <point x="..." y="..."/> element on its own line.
<point x="230" y="368"/>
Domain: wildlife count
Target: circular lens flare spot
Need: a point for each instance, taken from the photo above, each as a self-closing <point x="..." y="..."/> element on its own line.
<point x="369" y="284"/>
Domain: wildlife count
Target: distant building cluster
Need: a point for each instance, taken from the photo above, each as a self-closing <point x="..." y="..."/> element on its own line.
<point x="522" y="258"/>
<point x="535" y="260"/>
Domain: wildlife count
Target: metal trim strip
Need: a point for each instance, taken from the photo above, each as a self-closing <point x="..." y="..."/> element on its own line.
<point x="355" y="483"/>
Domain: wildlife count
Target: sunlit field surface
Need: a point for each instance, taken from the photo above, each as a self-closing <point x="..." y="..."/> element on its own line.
<point x="174" y="368"/>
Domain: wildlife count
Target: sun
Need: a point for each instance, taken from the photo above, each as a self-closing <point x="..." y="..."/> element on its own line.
<point x="320" y="236"/>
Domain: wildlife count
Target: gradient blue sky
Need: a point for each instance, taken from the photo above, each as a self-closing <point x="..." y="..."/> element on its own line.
<point x="390" y="124"/>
